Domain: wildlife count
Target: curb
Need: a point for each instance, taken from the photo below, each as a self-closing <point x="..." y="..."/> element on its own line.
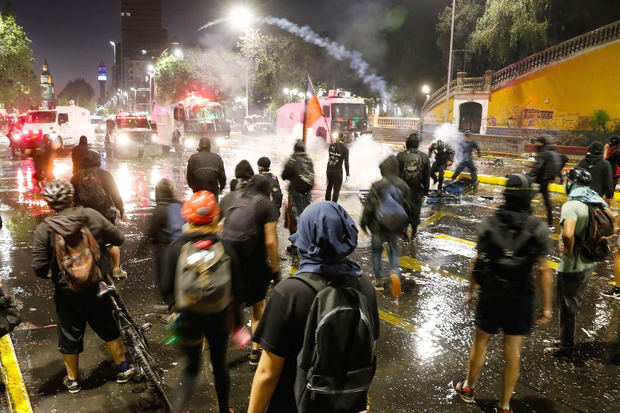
<point x="16" y="392"/>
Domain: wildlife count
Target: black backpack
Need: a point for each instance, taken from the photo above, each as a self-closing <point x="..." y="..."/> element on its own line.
<point x="507" y="260"/>
<point x="337" y="362"/>
<point x="412" y="170"/>
<point x="305" y="174"/>
<point x="276" y="191"/>
<point x="600" y="230"/>
<point x="240" y="229"/>
<point x="91" y="192"/>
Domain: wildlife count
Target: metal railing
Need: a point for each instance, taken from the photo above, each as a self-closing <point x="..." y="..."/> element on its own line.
<point x="556" y="53"/>
<point x="440" y="94"/>
<point x="396" y="123"/>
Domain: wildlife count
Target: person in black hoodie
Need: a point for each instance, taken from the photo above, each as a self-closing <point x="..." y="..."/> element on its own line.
<point x="612" y="154"/>
<point x="600" y="169"/>
<point x="338" y="154"/>
<point x="166" y="223"/>
<point x="95" y="188"/>
<point x="202" y="214"/>
<point x="243" y="174"/>
<point x="544" y="172"/>
<point x="264" y="164"/>
<point x="78" y="154"/>
<point x="299" y="170"/>
<point x="205" y="170"/>
<point x="387" y="212"/>
<point x="75" y="309"/>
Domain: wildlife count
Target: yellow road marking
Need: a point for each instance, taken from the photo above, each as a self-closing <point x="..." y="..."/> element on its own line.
<point x="17" y="394"/>
<point x="396" y="320"/>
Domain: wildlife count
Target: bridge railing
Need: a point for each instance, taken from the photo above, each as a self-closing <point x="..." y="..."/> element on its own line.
<point x="396" y="123"/>
<point x="531" y="63"/>
<point x="558" y="52"/>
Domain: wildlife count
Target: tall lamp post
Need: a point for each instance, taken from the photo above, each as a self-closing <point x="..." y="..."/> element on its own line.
<point x="241" y="17"/>
<point x="445" y="113"/>
<point x="151" y="73"/>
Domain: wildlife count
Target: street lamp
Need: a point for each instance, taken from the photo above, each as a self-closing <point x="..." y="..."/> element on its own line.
<point x="445" y="113"/>
<point x="426" y="89"/>
<point x="177" y="52"/>
<point x="241" y="18"/>
<point x="151" y="72"/>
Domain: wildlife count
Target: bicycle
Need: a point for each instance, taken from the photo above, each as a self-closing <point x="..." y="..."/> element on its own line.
<point x="137" y="345"/>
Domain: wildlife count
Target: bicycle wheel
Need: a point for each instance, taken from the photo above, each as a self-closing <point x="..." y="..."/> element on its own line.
<point x="143" y="360"/>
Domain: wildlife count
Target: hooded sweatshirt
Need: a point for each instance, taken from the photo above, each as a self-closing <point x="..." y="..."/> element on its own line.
<point x="600" y="169"/>
<point x="78" y="154"/>
<point x="166" y="215"/>
<point x="68" y="222"/>
<point x="390" y="172"/>
<point x="293" y="166"/>
<point x="326" y="235"/>
<point x="205" y="171"/>
<point x="92" y="163"/>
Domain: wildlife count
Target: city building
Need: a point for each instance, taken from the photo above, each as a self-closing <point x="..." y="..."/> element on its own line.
<point x="142" y="41"/>
<point x="47" y="84"/>
<point x="102" y="78"/>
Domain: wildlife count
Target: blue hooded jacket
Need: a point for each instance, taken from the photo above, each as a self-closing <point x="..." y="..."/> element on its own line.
<point x="326" y="235"/>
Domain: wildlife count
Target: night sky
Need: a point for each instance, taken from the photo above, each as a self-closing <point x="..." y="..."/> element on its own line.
<point x="75" y="34"/>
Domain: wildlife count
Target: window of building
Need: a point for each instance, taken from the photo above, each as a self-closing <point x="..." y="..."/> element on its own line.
<point x="128" y="14"/>
<point x="144" y="51"/>
<point x="122" y="14"/>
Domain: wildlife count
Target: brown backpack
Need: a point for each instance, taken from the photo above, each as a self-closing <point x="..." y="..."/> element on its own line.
<point x="78" y="257"/>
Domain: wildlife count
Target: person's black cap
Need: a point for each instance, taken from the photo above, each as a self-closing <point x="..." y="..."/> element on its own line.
<point x="264" y="163"/>
<point x="541" y="139"/>
<point x="595" y="148"/>
<point x="517" y="182"/>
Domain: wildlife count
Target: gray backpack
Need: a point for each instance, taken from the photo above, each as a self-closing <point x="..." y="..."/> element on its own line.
<point x="203" y="278"/>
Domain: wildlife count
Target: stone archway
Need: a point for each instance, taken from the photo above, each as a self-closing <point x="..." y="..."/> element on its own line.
<point x="470" y="117"/>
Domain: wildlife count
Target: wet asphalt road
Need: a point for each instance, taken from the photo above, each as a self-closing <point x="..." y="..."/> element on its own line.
<point x="424" y="341"/>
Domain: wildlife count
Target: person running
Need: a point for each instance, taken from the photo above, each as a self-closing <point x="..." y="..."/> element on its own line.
<point x="507" y="289"/>
<point x="338" y="154"/>
<point x="95" y="188"/>
<point x="466" y="147"/>
<point x="299" y="171"/>
<point x="600" y="170"/>
<point x="264" y="165"/>
<point x="166" y="223"/>
<point x="444" y="156"/>
<point x="387" y="212"/>
<point x="76" y="307"/>
<point x="326" y="236"/>
<point x="415" y="170"/>
<point x="205" y="170"/>
<point x="202" y="214"/>
<point x="612" y="154"/>
<point x="544" y="172"/>
<point x="574" y="269"/>
<point x="251" y="239"/>
<point x="78" y="154"/>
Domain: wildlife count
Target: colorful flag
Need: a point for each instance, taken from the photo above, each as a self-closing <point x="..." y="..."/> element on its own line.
<point x="313" y="107"/>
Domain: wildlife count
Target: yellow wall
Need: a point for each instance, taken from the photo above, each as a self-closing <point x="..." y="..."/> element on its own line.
<point x="435" y="116"/>
<point x="563" y="96"/>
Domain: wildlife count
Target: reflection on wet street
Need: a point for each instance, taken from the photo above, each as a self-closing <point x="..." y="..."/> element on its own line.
<point x="425" y="338"/>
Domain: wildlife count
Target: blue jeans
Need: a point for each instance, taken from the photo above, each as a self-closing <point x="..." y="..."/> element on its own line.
<point x="393" y="253"/>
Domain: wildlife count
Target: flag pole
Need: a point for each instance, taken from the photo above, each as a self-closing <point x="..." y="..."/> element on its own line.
<point x="305" y="132"/>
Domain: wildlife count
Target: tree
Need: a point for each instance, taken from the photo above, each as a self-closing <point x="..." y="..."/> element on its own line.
<point x="508" y="31"/>
<point x="465" y="19"/>
<point x="175" y="78"/>
<point x="18" y="84"/>
<point x="80" y="91"/>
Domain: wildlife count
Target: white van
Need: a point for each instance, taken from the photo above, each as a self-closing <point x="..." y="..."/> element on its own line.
<point x="63" y="124"/>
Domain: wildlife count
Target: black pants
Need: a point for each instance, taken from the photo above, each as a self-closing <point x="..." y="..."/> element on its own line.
<point x="192" y="328"/>
<point x="471" y="167"/>
<point x="544" y="190"/>
<point x="570" y="290"/>
<point x="438" y="168"/>
<point x="334" y="180"/>
<point x="417" y="195"/>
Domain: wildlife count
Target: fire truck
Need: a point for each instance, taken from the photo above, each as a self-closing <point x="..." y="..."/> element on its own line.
<point x="181" y="125"/>
<point x="342" y="113"/>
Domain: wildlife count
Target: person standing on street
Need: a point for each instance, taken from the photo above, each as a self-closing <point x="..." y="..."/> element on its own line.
<point x="264" y="165"/>
<point x="444" y="156"/>
<point x="78" y="154"/>
<point x="611" y="153"/>
<point x="575" y="269"/>
<point x="466" y="147"/>
<point x="507" y="289"/>
<point x="415" y="171"/>
<point x="387" y="212"/>
<point x="208" y="318"/>
<point x="299" y="171"/>
<point x="205" y="170"/>
<point x="243" y="175"/>
<point x="338" y="154"/>
<point x="251" y="239"/>
<point x="544" y="172"/>
<point x="600" y="170"/>
<point x="77" y="306"/>
<point x="326" y="236"/>
<point x="95" y="188"/>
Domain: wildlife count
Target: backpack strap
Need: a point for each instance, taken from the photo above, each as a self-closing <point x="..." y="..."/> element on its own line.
<point x="517" y="243"/>
<point x="314" y="281"/>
